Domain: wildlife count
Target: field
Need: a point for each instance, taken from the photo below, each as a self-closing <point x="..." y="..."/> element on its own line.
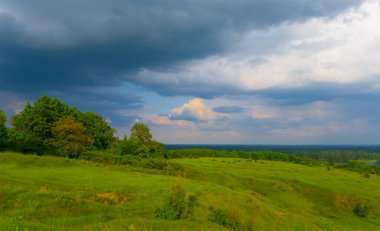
<point x="50" y="193"/>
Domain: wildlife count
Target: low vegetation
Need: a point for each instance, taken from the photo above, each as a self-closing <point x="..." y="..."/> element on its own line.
<point x="225" y="218"/>
<point x="178" y="205"/>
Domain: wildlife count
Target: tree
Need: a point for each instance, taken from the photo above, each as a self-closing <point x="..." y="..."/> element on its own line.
<point x="156" y="149"/>
<point x="35" y="122"/>
<point x="98" y="128"/>
<point x="33" y="127"/>
<point x="3" y="130"/>
<point x="141" y="133"/>
<point x="140" y="143"/>
<point x="130" y="146"/>
<point x="70" y="137"/>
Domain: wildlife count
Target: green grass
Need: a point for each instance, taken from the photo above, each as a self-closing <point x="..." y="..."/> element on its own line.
<point x="48" y="193"/>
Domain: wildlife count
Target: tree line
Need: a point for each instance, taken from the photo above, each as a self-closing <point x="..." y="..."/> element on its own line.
<point x="50" y="126"/>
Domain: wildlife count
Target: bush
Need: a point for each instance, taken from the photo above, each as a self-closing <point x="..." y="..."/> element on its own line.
<point x="3" y="130"/>
<point x="361" y="210"/>
<point x="178" y="205"/>
<point x="366" y="175"/>
<point x="225" y="218"/>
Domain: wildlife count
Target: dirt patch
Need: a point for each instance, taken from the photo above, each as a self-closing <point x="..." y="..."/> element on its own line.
<point x="345" y="202"/>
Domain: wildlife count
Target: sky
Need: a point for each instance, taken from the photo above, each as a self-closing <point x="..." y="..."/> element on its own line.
<point x="202" y="71"/>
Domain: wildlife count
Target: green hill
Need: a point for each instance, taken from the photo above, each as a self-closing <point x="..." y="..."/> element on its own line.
<point x="50" y="193"/>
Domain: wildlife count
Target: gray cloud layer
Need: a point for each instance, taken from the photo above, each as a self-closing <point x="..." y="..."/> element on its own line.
<point x="82" y="51"/>
<point x="46" y="45"/>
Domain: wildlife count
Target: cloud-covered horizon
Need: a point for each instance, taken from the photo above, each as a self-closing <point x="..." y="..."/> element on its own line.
<point x="202" y="71"/>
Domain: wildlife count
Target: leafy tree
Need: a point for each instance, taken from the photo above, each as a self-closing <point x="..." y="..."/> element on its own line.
<point x="3" y="130"/>
<point x="98" y="128"/>
<point x="131" y="146"/>
<point x="140" y="143"/>
<point x="70" y="137"/>
<point x="156" y="149"/>
<point x="141" y="132"/>
<point x="33" y="127"/>
<point x="23" y="141"/>
<point x="34" y="124"/>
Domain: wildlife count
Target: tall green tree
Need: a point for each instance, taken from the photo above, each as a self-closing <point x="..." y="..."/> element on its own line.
<point x="129" y="146"/>
<point x="3" y="130"/>
<point x="141" y="132"/>
<point x="32" y="129"/>
<point x="70" y="137"/>
<point x="140" y="143"/>
<point x="99" y="129"/>
<point x="33" y="126"/>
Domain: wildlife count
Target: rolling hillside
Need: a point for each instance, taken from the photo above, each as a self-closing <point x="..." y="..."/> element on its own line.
<point x="49" y="193"/>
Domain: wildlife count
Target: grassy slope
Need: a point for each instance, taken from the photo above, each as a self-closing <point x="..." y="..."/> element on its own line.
<point x="44" y="193"/>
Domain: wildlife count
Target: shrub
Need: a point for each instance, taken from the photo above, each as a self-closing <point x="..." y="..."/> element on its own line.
<point x="361" y="210"/>
<point x="178" y="205"/>
<point x="154" y="164"/>
<point x="366" y="175"/>
<point x="225" y="218"/>
<point x="3" y="130"/>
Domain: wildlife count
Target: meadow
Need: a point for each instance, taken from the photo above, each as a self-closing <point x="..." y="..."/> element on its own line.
<point x="53" y="193"/>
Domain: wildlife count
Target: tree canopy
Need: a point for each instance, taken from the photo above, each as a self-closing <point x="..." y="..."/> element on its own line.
<point x="70" y="137"/>
<point x="34" y="124"/>
<point x="98" y="128"/>
<point x="53" y="127"/>
<point x="141" y="132"/>
<point x="33" y="127"/>
<point x="141" y="143"/>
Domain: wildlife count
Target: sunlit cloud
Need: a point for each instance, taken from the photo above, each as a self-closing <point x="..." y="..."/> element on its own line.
<point x="194" y="110"/>
<point x="261" y="115"/>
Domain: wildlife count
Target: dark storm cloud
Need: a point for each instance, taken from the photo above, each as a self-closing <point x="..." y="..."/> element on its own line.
<point x="82" y="51"/>
<point x="46" y="45"/>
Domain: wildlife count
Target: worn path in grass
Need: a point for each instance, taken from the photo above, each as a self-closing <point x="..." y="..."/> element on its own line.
<point x="48" y="193"/>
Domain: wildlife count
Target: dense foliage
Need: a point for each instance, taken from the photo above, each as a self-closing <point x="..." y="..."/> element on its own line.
<point x="3" y="130"/>
<point x="70" y="137"/>
<point x="35" y="129"/>
<point x="140" y="143"/>
<point x="98" y="129"/>
<point x="50" y="126"/>
<point x="340" y="155"/>
<point x="141" y="133"/>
